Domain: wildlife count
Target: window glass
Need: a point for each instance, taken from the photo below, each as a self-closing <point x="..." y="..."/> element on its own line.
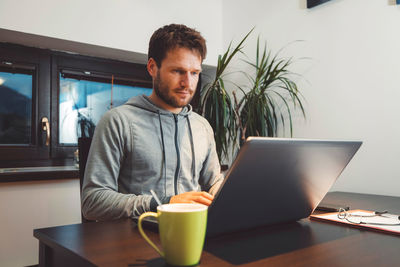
<point x="15" y="107"/>
<point x="82" y="103"/>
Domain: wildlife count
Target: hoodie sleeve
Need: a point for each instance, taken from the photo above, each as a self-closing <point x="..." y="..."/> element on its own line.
<point x="211" y="177"/>
<point x="100" y="197"/>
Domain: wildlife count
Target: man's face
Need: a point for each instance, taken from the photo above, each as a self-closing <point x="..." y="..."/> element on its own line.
<point x="175" y="81"/>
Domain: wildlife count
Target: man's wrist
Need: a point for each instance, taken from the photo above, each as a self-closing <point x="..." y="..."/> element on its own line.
<point x="154" y="204"/>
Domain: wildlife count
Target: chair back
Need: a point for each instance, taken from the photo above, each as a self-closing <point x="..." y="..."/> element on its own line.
<point x="84" y="147"/>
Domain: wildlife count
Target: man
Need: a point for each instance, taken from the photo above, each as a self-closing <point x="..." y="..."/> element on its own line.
<point x="155" y="142"/>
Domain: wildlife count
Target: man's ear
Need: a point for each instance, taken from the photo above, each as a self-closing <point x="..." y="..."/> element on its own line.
<point x="152" y="67"/>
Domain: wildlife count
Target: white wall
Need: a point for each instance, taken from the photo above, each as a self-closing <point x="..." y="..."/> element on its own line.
<point x="353" y="77"/>
<point x="120" y="24"/>
<point x="25" y="206"/>
<point x="121" y="27"/>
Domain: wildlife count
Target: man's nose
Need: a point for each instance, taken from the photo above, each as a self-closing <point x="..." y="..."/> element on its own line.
<point x="186" y="80"/>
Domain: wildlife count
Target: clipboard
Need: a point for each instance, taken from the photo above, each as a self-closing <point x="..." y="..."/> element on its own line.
<point x="390" y="218"/>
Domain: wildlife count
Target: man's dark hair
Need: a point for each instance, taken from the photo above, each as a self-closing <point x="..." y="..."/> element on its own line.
<point x="173" y="36"/>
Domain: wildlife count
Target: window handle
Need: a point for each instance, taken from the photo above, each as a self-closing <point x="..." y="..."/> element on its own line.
<point x="46" y="127"/>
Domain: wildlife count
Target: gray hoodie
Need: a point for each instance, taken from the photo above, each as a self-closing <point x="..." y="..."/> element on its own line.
<point x="139" y="146"/>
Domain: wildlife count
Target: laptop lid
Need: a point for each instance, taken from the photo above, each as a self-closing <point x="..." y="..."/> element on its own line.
<point x="275" y="180"/>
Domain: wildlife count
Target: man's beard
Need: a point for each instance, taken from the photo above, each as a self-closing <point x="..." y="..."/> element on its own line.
<point x="162" y="90"/>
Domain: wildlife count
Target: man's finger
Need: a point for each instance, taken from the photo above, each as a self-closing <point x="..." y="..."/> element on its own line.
<point x="207" y="195"/>
<point x="203" y="200"/>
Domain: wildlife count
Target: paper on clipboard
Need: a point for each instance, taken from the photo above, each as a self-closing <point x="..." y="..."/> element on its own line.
<point x="387" y="219"/>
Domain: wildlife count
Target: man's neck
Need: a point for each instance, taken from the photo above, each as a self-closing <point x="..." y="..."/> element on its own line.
<point x="161" y="104"/>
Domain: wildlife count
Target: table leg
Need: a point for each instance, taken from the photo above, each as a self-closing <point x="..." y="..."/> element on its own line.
<point x="43" y="255"/>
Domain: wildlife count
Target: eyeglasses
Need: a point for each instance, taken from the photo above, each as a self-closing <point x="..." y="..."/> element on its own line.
<point x="376" y="218"/>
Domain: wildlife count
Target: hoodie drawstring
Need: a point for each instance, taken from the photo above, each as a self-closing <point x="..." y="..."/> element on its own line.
<point x="163" y="150"/>
<point x="192" y="146"/>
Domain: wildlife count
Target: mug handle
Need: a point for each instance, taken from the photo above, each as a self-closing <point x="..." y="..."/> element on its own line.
<point x="141" y="231"/>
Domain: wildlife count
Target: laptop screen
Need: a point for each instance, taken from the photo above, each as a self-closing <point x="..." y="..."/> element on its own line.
<point x="274" y="180"/>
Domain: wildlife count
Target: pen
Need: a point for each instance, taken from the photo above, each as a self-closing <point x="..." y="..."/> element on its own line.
<point x="155" y="197"/>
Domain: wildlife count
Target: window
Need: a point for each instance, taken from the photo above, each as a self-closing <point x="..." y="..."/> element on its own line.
<point x="16" y="84"/>
<point x="83" y="99"/>
<point x="48" y="99"/>
<point x="84" y="89"/>
<point x="25" y="100"/>
<point x="70" y="92"/>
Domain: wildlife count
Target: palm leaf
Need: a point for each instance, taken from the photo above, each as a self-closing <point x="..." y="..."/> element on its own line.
<point x="216" y="105"/>
<point x="269" y="101"/>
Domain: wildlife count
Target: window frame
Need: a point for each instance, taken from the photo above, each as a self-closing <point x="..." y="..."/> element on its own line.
<point x="79" y="63"/>
<point x="16" y="161"/>
<point x="32" y="154"/>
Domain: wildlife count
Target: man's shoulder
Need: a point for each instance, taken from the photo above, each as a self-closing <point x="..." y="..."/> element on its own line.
<point x="119" y="115"/>
<point x="127" y="109"/>
<point x="197" y="118"/>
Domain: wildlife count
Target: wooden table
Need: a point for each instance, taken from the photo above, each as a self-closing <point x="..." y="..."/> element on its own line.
<point x="302" y="243"/>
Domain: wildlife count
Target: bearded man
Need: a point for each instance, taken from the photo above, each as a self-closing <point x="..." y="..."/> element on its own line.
<point x="157" y="142"/>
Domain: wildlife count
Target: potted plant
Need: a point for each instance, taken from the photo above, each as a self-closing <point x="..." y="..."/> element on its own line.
<point x="269" y="99"/>
<point x="216" y="104"/>
<point x="267" y="102"/>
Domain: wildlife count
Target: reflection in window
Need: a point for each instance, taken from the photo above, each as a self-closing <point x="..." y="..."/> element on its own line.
<point x="15" y="107"/>
<point x="83" y="103"/>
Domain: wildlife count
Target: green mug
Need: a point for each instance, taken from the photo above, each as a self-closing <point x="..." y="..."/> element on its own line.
<point x="182" y="229"/>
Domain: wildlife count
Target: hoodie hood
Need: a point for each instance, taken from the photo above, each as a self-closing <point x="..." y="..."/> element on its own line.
<point x="144" y="102"/>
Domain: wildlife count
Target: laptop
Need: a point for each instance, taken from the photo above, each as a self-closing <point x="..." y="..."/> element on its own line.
<point x="276" y="180"/>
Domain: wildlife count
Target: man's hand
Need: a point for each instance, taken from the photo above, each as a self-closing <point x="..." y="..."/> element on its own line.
<point x="193" y="197"/>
